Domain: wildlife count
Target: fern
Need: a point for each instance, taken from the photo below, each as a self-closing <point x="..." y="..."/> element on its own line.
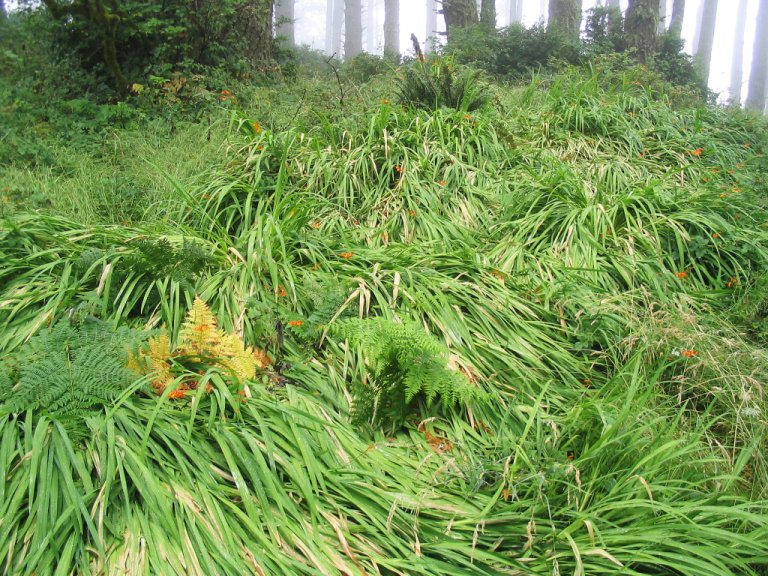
<point x="404" y="363"/>
<point x="68" y="372"/>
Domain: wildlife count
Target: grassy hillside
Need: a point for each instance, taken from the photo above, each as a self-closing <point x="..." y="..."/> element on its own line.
<point x="530" y="338"/>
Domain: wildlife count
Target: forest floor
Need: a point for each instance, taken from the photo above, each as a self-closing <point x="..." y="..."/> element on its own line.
<point x="288" y="330"/>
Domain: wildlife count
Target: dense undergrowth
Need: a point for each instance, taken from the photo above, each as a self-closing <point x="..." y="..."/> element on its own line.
<point x="530" y="338"/>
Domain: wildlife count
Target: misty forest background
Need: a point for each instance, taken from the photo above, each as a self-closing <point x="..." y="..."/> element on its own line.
<point x="490" y="301"/>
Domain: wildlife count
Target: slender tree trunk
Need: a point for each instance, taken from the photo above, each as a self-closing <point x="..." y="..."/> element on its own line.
<point x="697" y="30"/>
<point x="737" y="62"/>
<point x="329" y="9"/>
<point x="488" y="13"/>
<point x="515" y="11"/>
<point x="703" y="54"/>
<point x="431" y="23"/>
<point x="565" y="18"/>
<point x="371" y="28"/>
<point x="614" y="4"/>
<point x="662" y="17"/>
<point x="459" y="14"/>
<point x="640" y="27"/>
<point x="757" y="95"/>
<point x="3" y="12"/>
<point x="678" y="14"/>
<point x="542" y="11"/>
<point x="284" y="20"/>
<point x="338" y="26"/>
<point x="392" y="28"/>
<point x="353" y="28"/>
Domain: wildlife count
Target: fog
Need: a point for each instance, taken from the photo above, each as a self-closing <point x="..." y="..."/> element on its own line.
<point x="310" y="29"/>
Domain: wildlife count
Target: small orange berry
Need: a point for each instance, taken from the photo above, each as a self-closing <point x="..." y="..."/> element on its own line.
<point x="347" y="255"/>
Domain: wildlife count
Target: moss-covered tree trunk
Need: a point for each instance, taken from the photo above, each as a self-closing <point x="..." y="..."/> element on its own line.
<point x="488" y="13"/>
<point x="107" y="21"/>
<point x="565" y="18"/>
<point x="640" y="27"/>
<point x="678" y="13"/>
<point x="258" y="30"/>
<point x="459" y="14"/>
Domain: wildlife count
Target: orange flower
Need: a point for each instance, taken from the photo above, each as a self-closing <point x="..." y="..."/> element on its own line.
<point x="385" y="101"/>
<point x="715" y="235"/>
<point x="442" y="182"/>
<point x="259" y="147"/>
<point x="696" y="152"/>
<point x="316" y="224"/>
<point x="399" y="169"/>
<point x="411" y="212"/>
<point x="296" y="323"/>
<point x="735" y="190"/>
<point x="176" y="394"/>
<point x="467" y="117"/>
<point x="734" y="281"/>
<point x="705" y="179"/>
<point x="681" y="275"/>
<point x="688" y="353"/>
<point x="281" y="293"/>
<point x="256" y="127"/>
<point x="723" y="195"/>
<point x="347" y="255"/>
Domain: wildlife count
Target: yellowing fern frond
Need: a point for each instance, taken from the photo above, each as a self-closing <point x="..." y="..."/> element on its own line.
<point x="199" y="334"/>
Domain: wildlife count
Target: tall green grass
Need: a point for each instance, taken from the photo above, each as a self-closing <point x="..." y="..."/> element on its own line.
<point x="577" y="248"/>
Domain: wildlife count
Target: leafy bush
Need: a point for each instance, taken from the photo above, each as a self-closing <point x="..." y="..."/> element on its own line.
<point x="512" y="51"/>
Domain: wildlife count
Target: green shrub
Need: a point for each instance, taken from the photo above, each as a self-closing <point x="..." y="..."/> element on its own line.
<point x="439" y="82"/>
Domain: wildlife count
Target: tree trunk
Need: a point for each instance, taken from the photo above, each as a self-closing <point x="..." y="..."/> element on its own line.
<point x="678" y="14"/>
<point x="459" y="14"/>
<point x="614" y="4"/>
<point x="703" y="54"/>
<point x="392" y="28"/>
<point x="757" y="94"/>
<point x="640" y="27"/>
<point x="338" y="24"/>
<point x="542" y="11"/>
<point x="565" y="18"/>
<point x="515" y="11"/>
<point x="372" y="28"/>
<point x="3" y="12"/>
<point x="107" y="22"/>
<point x="353" y="28"/>
<point x="284" y="20"/>
<point x="737" y="62"/>
<point x="258" y="30"/>
<point x="662" y="17"/>
<point x="431" y="22"/>
<point x="329" y="9"/>
<point x="697" y="30"/>
<point x="488" y="13"/>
